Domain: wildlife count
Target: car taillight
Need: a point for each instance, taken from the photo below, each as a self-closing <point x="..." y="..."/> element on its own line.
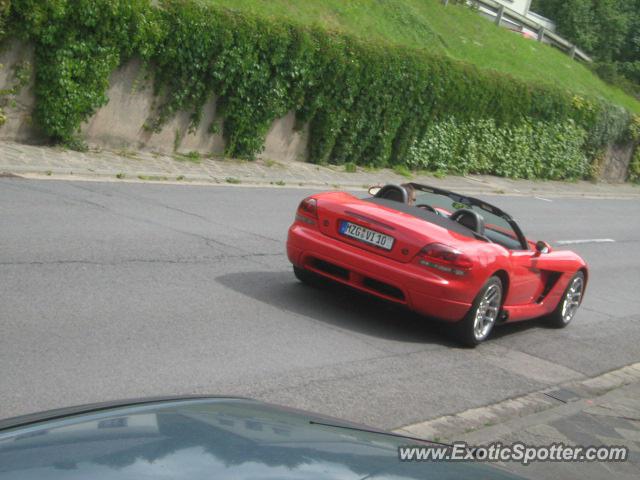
<point x="308" y="211"/>
<point x="445" y="258"/>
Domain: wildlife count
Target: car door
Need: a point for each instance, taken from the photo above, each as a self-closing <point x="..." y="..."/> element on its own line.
<point x="526" y="282"/>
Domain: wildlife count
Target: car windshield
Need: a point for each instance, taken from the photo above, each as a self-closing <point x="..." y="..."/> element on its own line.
<point x="497" y="228"/>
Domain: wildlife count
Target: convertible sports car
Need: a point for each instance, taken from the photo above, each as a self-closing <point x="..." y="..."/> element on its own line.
<point x="441" y="254"/>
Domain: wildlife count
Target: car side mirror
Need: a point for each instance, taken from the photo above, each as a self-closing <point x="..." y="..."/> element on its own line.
<point x="374" y="190"/>
<point x="542" y="247"/>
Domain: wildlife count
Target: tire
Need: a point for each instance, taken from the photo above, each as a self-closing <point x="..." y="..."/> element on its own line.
<point x="569" y="302"/>
<point x="479" y="321"/>
<point x="305" y="276"/>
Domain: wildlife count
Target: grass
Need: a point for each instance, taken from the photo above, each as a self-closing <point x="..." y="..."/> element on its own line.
<point x="272" y="163"/>
<point x="232" y="180"/>
<point x="128" y="154"/>
<point x="153" y="178"/>
<point x="194" y="157"/>
<point x="350" y="167"/>
<point x="456" y="31"/>
<point x="402" y="170"/>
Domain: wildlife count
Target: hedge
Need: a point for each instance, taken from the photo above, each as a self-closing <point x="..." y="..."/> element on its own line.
<point x="528" y="150"/>
<point x="365" y="103"/>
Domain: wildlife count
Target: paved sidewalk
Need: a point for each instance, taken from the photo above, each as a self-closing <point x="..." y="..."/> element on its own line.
<point x="600" y="411"/>
<point x="29" y="160"/>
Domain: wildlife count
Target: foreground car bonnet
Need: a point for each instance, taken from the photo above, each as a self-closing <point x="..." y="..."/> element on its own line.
<point x="207" y="438"/>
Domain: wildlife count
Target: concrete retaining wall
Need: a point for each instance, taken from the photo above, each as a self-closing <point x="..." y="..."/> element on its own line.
<point x="119" y="125"/>
<point x="17" y="108"/>
<point x="615" y="166"/>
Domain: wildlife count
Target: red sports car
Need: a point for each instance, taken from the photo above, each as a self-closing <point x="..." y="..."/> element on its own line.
<point x="444" y="255"/>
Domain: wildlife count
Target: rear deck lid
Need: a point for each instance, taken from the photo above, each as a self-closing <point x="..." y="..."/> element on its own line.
<point x="384" y="227"/>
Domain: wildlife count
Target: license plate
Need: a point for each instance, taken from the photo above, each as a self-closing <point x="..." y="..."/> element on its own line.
<point x="365" y="235"/>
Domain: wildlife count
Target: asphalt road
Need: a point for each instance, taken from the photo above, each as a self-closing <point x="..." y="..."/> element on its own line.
<point x="117" y="290"/>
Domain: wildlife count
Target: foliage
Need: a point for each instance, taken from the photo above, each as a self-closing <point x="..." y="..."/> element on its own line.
<point x="634" y="167"/>
<point x="78" y="43"/>
<point x="608" y="29"/>
<point x="5" y="6"/>
<point x="624" y="75"/>
<point x="598" y="26"/>
<point x="4" y="11"/>
<point x="634" y="135"/>
<point x="454" y="31"/>
<point x="366" y="103"/>
<point x="350" y="167"/>
<point x="530" y="150"/>
<point x="634" y="129"/>
<point x="21" y="75"/>
<point x="630" y="70"/>
<point x="609" y="124"/>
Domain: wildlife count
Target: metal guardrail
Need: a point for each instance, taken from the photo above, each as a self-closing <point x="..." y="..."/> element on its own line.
<point x="502" y="12"/>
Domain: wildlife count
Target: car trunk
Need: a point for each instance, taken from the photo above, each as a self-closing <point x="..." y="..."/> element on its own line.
<point x="410" y="234"/>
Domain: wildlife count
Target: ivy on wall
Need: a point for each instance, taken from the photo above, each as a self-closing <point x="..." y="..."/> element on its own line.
<point x="634" y="165"/>
<point x="529" y="150"/>
<point x="4" y="12"/>
<point x="365" y="103"/>
<point x="21" y="73"/>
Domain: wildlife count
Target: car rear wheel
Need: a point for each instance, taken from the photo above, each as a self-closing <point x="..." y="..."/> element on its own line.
<point x="483" y="314"/>
<point x="569" y="302"/>
<point x="305" y="276"/>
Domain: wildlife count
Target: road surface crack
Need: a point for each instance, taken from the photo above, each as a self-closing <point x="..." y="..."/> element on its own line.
<point x="185" y="261"/>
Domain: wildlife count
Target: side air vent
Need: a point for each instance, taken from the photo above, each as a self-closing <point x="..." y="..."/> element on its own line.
<point x="552" y="279"/>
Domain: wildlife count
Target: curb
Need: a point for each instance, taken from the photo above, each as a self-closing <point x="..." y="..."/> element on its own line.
<point x="162" y="178"/>
<point x="155" y="177"/>
<point x="144" y="176"/>
<point x="451" y="427"/>
<point x="41" y="162"/>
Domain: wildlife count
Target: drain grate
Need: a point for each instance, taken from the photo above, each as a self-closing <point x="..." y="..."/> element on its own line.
<point x="563" y="395"/>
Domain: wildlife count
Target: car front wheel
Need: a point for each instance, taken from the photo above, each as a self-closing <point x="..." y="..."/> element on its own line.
<point x="483" y="314"/>
<point x="569" y="302"/>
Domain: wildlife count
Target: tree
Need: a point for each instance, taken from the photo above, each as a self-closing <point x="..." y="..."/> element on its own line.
<point x="609" y="30"/>
<point x="4" y="11"/>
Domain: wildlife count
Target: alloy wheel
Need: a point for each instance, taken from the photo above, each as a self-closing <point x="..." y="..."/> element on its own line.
<point x="572" y="299"/>
<point x="487" y="312"/>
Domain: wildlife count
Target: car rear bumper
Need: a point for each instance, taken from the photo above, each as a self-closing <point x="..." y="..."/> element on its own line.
<point x="405" y="283"/>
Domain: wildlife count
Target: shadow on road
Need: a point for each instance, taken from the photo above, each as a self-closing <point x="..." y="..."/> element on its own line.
<point x="517" y="328"/>
<point x="338" y="306"/>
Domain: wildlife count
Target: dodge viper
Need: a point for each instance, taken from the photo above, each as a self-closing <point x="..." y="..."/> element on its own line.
<point x="444" y="255"/>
